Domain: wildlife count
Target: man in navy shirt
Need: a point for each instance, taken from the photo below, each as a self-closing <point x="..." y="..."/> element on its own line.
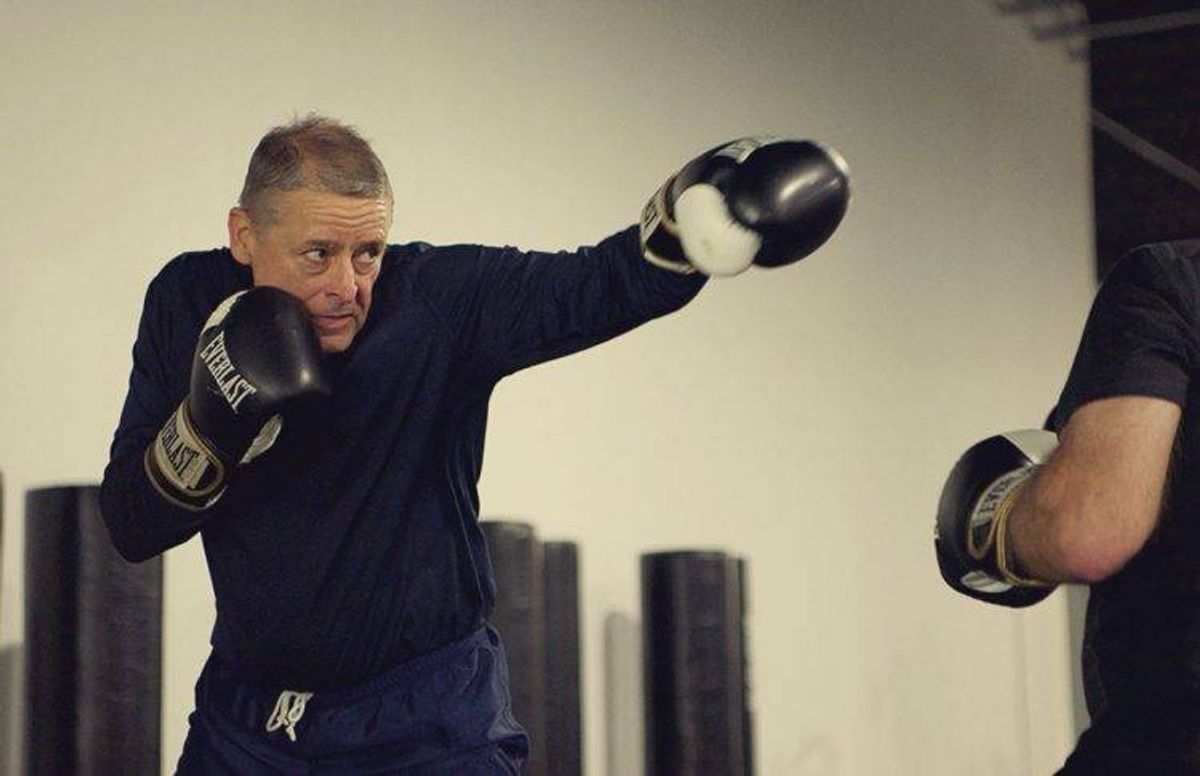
<point x="313" y="400"/>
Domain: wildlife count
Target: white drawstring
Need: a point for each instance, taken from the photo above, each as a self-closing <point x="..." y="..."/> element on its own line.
<point x="289" y="708"/>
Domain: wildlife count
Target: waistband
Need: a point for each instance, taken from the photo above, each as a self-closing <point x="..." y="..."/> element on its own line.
<point x="450" y="700"/>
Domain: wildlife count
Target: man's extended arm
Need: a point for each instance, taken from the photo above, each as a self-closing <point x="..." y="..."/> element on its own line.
<point x="753" y="201"/>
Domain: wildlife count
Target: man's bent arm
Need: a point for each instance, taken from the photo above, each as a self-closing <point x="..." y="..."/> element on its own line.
<point x="1096" y="502"/>
<point x="140" y="521"/>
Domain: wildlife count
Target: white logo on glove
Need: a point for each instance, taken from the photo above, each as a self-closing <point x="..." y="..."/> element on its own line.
<point x="233" y="386"/>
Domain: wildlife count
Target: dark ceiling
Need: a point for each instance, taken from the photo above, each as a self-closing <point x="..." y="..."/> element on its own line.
<point x="1100" y="11"/>
<point x="1145" y="100"/>
<point x="1148" y="83"/>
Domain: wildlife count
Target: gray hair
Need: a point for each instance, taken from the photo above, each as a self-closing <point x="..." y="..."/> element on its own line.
<point x="313" y="152"/>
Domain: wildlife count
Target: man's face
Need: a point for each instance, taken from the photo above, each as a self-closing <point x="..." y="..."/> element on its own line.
<point x="324" y="249"/>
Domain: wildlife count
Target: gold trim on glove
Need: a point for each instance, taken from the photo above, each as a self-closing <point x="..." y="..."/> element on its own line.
<point x="1004" y="560"/>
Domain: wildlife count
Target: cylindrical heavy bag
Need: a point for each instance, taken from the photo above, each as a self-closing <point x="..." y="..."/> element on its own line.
<point x="93" y="631"/>
<point x="747" y="692"/>
<point x="1" y="544"/>
<point x="694" y="664"/>
<point x="564" y="740"/>
<point x="519" y="616"/>
<point x="10" y="655"/>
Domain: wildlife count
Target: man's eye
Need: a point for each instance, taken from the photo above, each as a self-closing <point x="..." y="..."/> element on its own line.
<point x="366" y="260"/>
<point x="316" y="258"/>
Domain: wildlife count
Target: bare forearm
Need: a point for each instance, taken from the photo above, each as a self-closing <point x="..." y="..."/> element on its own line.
<point x="1035" y="528"/>
<point x="1094" y="505"/>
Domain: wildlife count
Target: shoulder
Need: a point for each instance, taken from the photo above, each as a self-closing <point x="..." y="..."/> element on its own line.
<point x="423" y="256"/>
<point x="191" y="285"/>
<point x="431" y="267"/>
<point x="1181" y="250"/>
<point x="1174" y="254"/>
<point x="1165" y="267"/>
<point x="205" y="272"/>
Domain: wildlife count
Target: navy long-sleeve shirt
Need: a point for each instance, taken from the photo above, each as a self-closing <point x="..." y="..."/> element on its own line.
<point x="354" y="544"/>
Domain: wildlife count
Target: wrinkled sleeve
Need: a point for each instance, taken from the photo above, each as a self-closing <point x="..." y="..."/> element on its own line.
<point x="509" y="309"/>
<point x="141" y="523"/>
<point x="1140" y="338"/>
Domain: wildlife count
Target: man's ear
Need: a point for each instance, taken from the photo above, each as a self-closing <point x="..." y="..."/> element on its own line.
<point x="241" y="236"/>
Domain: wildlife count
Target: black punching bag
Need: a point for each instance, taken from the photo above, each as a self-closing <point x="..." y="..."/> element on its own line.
<point x="93" y="637"/>
<point x="564" y="739"/>
<point x="10" y="656"/>
<point x="694" y="665"/>
<point x="747" y="698"/>
<point x="519" y="617"/>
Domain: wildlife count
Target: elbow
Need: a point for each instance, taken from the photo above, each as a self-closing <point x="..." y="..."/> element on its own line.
<point x="131" y="551"/>
<point x="1090" y="566"/>
<point x="124" y="543"/>
<point x="1092" y="550"/>
<point x="125" y="540"/>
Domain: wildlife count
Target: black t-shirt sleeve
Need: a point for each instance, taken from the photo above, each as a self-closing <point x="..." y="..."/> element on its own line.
<point x="141" y="523"/>
<point x="508" y="309"/>
<point x="1140" y="338"/>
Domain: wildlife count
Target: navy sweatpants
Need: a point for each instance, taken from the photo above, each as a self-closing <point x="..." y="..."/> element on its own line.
<point x="446" y="712"/>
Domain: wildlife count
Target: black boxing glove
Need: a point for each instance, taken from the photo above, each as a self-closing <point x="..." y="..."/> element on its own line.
<point x="764" y="201"/>
<point x="971" y="535"/>
<point x="257" y="357"/>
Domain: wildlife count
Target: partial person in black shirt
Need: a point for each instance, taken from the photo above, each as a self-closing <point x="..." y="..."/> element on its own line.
<point x="327" y="442"/>
<point x="1114" y="503"/>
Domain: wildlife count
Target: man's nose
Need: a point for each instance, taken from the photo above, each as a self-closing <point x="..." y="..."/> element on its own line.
<point x="340" y="282"/>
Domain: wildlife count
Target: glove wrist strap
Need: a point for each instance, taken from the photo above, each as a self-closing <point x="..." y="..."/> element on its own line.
<point x="182" y="466"/>
<point x="660" y="241"/>
<point x="1006" y="563"/>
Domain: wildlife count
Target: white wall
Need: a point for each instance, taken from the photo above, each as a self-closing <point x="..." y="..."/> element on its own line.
<point x="803" y="417"/>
